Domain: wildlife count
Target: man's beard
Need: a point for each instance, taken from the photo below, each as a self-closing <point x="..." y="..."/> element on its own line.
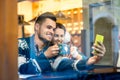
<point x="43" y="39"/>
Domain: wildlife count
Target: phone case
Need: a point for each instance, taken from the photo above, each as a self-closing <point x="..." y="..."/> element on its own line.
<point x="99" y="38"/>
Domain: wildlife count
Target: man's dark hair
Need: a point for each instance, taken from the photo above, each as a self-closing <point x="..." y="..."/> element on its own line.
<point x="45" y="15"/>
<point x="61" y="26"/>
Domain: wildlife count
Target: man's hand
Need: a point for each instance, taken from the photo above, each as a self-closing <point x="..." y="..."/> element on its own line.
<point x="99" y="49"/>
<point x="52" y="51"/>
<point x="99" y="52"/>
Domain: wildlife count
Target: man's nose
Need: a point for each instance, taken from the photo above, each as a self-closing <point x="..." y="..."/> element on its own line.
<point x="52" y="31"/>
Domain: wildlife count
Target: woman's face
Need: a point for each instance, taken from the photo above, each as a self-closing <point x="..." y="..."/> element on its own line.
<point x="58" y="36"/>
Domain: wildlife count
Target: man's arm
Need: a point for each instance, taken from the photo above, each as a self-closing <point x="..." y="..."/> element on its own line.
<point x="98" y="53"/>
<point x="25" y="65"/>
<point x="29" y="65"/>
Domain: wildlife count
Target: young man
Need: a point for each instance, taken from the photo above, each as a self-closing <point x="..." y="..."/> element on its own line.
<point x="35" y="55"/>
<point x="81" y="62"/>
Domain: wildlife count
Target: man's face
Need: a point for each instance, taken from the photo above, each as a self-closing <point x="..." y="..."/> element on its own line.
<point x="45" y="30"/>
<point x="58" y="36"/>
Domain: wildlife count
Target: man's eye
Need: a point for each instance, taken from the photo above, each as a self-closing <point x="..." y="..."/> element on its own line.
<point x="49" y="27"/>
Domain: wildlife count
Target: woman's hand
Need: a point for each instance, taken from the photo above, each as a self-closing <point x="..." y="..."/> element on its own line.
<point x="68" y="55"/>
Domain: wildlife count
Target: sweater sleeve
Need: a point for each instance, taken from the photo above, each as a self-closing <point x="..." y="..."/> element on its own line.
<point x="35" y="66"/>
<point x="28" y="68"/>
<point x="25" y="64"/>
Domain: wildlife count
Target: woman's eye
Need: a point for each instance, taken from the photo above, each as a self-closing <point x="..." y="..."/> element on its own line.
<point x="62" y="36"/>
<point x="55" y="35"/>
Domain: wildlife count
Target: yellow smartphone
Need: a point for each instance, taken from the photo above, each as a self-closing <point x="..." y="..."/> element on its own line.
<point x="98" y="38"/>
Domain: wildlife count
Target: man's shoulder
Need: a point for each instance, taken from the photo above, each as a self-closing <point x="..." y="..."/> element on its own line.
<point x="25" y="38"/>
<point x="23" y="42"/>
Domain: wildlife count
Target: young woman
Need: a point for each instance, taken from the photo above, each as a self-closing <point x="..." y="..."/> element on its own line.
<point x="81" y="62"/>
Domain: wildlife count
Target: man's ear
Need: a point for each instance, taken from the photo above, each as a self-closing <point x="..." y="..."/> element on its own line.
<point x="37" y="26"/>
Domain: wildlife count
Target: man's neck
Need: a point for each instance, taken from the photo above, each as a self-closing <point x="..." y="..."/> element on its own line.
<point x="39" y="42"/>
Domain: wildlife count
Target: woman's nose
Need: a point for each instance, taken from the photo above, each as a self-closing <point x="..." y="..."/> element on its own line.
<point x="60" y="38"/>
